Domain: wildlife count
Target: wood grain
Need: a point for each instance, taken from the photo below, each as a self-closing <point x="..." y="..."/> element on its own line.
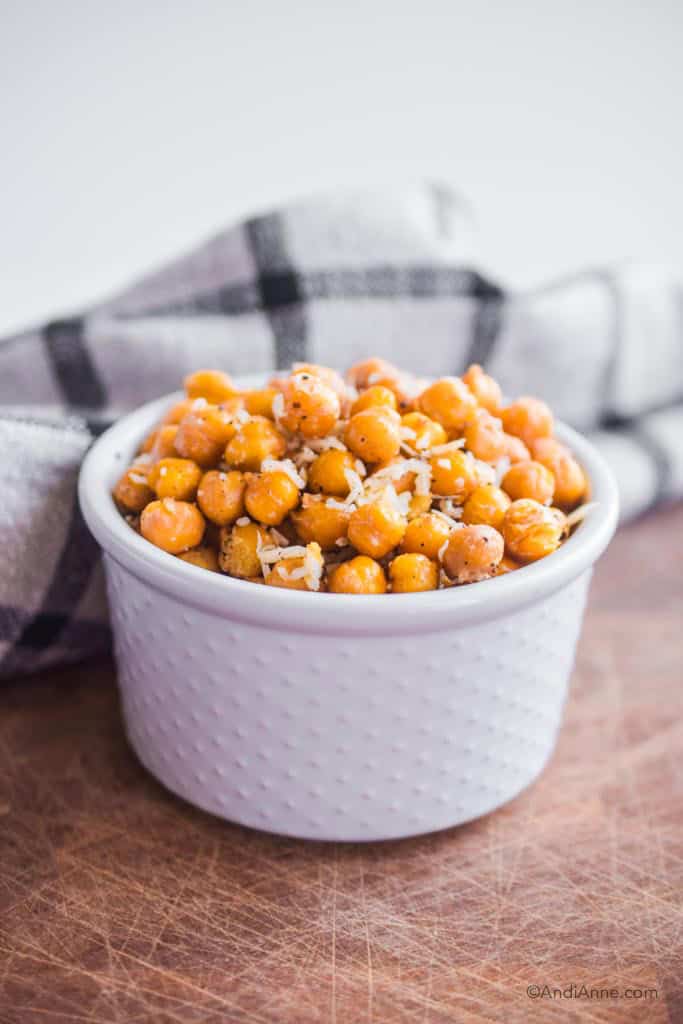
<point x="120" y="903"/>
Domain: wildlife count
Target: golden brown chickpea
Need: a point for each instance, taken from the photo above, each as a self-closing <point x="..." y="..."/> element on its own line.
<point x="484" y="388"/>
<point x="311" y="407"/>
<point x="327" y="473"/>
<point x="528" y="419"/>
<point x="255" y="441"/>
<point x="449" y="402"/>
<point x="175" y="478"/>
<point x="486" y="506"/>
<point x="238" y="551"/>
<point x="411" y="573"/>
<point x="221" y="496"/>
<point x="213" y="385"/>
<point x="454" y="474"/>
<point x="360" y="575"/>
<point x="132" y="492"/>
<point x="426" y="535"/>
<point x="204" y="432"/>
<point x="428" y="433"/>
<point x="473" y="553"/>
<point x="164" y="442"/>
<point x="570" y="481"/>
<point x="484" y="436"/>
<point x="271" y="496"/>
<point x="260" y="403"/>
<point x="515" y="449"/>
<point x="529" y="479"/>
<point x="203" y="557"/>
<point x="374" y="434"/>
<point x="372" y="371"/>
<point x="291" y="572"/>
<point x="374" y="396"/>
<point x="531" y="530"/>
<point x="376" y="528"/>
<point x="316" y="521"/>
<point x="172" y="525"/>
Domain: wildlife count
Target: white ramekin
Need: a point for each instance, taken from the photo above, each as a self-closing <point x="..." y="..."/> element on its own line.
<point x="330" y="716"/>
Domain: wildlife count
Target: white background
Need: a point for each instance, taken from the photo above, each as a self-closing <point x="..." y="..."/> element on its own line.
<point x="128" y="131"/>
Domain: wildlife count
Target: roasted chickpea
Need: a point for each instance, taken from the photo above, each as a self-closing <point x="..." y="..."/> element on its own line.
<point x="203" y="557"/>
<point x="485" y="389"/>
<point x="255" y="441"/>
<point x="132" y="492"/>
<point x="204" y="432"/>
<point x="570" y="481"/>
<point x="271" y="496"/>
<point x="454" y="474"/>
<point x="220" y="496"/>
<point x="486" y="506"/>
<point x="372" y="371"/>
<point x="260" y="403"/>
<point x="426" y="535"/>
<point x="473" y="553"/>
<point x="528" y="419"/>
<point x="172" y="525"/>
<point x="310" y="406"/>
<point x="360" y="575"/>
<point x="427" y="433"/>
<point x="163" y="446"/>
<point x="213" y="385"/>
<point x="449" y="402"/>
<point x="328" y="472"/>
<point x="374" y="434"/>
<point x="532" y="530"/>
<point x="317" y="521"/>
<point x="515" y="449"/>
<point x="374" y="396"/>
<point x="529" y="480"/>
<point x="484" y="436"/>
<point x="411" y="573"/>
<point x="298" y="573"/>
<point x="376" y="528"/>
<point x="238" y="551"/>
<point x="175" y="478"/>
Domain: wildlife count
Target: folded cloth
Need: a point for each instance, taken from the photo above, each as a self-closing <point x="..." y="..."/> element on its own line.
<point x="331" y="280"/>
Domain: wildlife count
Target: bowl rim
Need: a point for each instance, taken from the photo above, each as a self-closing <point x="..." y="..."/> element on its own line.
<point x="303" y="612"/>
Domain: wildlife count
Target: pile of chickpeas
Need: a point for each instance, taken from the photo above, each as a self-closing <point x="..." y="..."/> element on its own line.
<point x="373" y="483"/>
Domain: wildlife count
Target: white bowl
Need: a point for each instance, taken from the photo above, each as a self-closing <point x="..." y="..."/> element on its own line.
<point x="330" y="716"/>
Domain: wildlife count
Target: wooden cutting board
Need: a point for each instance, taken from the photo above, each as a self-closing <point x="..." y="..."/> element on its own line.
<point x="119" y="902"/>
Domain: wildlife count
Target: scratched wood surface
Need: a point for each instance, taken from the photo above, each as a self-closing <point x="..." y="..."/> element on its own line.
<point x="119" y="902"/>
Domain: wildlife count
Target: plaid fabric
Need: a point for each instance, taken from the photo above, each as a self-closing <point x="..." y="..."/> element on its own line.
<point x="331" y="280"/>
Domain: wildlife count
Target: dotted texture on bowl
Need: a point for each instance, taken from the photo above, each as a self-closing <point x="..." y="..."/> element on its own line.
<point x="333" y="737"/>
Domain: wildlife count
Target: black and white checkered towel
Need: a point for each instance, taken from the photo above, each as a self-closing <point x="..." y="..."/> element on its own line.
<point x="332" y="280"/>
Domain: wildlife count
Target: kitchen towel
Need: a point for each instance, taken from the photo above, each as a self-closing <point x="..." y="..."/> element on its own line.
<point x="331" y="279"/>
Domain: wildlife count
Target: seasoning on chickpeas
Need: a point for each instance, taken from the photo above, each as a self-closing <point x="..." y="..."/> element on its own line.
<point x="473" y="553"/>
<point x="383" y="483"/>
